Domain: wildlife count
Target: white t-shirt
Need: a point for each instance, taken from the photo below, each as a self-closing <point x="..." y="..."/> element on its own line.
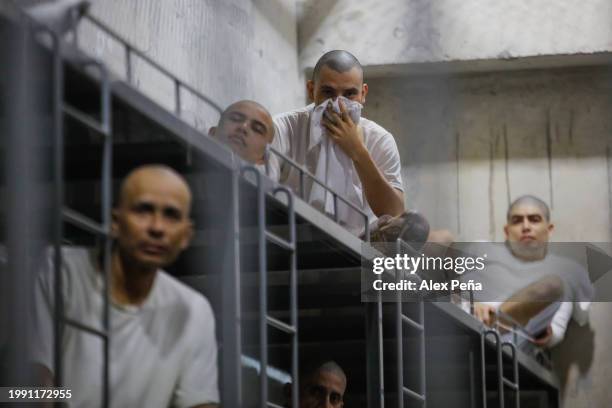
<point x="292" y="138"/>
<point x="506" y="274"/>
<point x="162" y="353"/>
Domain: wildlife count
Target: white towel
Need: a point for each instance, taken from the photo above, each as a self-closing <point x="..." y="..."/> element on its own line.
<point x="334" y="167"/>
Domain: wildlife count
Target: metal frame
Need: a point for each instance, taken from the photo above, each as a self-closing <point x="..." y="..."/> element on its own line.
<point x="266" y="320"/>
<point x="502" y="381"/>
<point x="401" y="319"/>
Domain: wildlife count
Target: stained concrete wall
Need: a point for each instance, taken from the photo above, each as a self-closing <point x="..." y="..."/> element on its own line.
<point x="398" y="32"/>
<point x="228" y="50"/>
<point x="471" y="143"/>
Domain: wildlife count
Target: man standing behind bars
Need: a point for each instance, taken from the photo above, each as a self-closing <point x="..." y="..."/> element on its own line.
<point x="162" y="348"/>
<point x="353" y="155"/>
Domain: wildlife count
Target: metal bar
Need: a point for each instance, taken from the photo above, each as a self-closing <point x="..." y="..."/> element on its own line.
<point x="263" y="285"/>
<point x="423" y="380"/>
<point x="177" y="97"/>
<point x="498" y="354"/>
<point x="412" y="323"/>
<point x="128" y="64"/>
<point x="399" y="338"/>
<point x="293" y="287"/>
<point x="232" y="313"/>
<point x="279" y="325"/>
<point x="107" y="199"/>
<point x="412" y="394"/>
<point x="335" y="198"/>
<point x="273" y="405"/>
<point x="102" y="26"/>
<point x="276" y="240"/>
<point x="83" y="119"/>
<point x="58" y="200"/>
<point x="81" y="326"/>
<point x="514" y="384"/>
<point x="83" y="222"/>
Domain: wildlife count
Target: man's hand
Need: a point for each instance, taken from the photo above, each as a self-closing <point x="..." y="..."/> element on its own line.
<point x="343" y="131"/>
<point x="485" y="313"/>
<point x="543" y="339"/>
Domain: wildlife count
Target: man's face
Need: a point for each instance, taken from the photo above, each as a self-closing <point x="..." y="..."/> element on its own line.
<point x="325" y="389"/>
<point x="247" y="129"/>
<point x="332" y="84"/>
<point x="151" y="223"/>
<point x="527" y="229"/>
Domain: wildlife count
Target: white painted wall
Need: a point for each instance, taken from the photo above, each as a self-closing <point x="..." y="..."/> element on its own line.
<point x="386" y="32"/>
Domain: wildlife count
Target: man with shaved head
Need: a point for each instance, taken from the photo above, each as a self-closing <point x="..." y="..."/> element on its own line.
<point x="322" y="385"/>
<point x="246" y="128"/>
<point x="353" y="155"/>
<point x="526" y="282"/>
<point x="162" y="336"/>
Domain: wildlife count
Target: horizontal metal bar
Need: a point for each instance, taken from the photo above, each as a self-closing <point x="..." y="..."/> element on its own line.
<point x="84" y="327"/>
<point x="151" y="62"/>
<point x="275" y="239"/>
<point x="84" y="119"/>
<point x="408" y="392"/>
<point x="273" y="405"/>
<point x="510" y="384"/>
<point x="277" y="324"/>
<point x="412" y="323"/>
<point x="81" y="221"/>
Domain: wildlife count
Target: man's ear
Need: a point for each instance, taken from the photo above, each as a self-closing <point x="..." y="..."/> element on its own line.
<point x="364" y="92"/>
<point x="188" y="235"/>
<point x="506" y="231"/>
<point x="551" y="228"/>
<point x="310" y="86"/>
<point x="212" y="131"/>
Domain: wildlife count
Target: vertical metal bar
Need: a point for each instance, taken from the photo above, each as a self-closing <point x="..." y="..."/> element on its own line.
<point x="301" y="173"/>
<point x="515" y="372"/>
<point x="399" y="336"/>
<point x="498" y="355"/>
<point x="483" y="369"/>
<point x="293" y="298"/>
<point x="335" y="198"/>
<point x="177" y="97"/>
<point x="423" y="386"/>
<point x="367" y="228"/>
<point x="230" y="323"/>
<point x="128" y="63"/>
<point x="58" y="202"/>
<point x="107" y="179"/>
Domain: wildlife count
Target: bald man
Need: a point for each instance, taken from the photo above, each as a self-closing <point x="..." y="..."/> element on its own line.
<point x="246" y="128"/>
<point x="163" y="350"/>
<point x="355" y="156"/>
<point x="322" y="385"/>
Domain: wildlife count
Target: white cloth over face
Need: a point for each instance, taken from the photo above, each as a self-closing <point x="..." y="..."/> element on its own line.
<point x="293" y="139"/>
<point x="334" y="167"/>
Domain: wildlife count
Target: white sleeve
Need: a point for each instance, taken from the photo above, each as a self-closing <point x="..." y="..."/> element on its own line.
<point x="386" y="157"/>
<point x="197" y="383"/>
<point x="281" y="144"/>
<point x="42" y="313"/>
<point x="559" y="323"/>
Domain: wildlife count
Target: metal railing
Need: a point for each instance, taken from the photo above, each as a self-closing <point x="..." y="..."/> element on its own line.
<point x="62" y="214"/>
<point x="419" y="326"/>
<point x="502" y="381"/>
<point x="266" y="320"/>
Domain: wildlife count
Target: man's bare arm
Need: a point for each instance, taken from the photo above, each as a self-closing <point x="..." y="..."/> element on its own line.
<point x="381" y="196"/>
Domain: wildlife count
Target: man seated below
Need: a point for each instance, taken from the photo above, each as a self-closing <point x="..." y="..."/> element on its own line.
<point x="322" y="385"/>
<point x="246" y="128"/>
<point x="162" y="350"/>
<point x="524" y="281"/>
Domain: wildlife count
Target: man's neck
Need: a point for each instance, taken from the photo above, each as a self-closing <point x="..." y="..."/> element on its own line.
<point x="130" y="284"/>
<point x="527" y="254"/>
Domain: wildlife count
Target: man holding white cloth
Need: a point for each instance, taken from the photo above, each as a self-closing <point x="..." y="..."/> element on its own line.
<point x="354" y="156"/>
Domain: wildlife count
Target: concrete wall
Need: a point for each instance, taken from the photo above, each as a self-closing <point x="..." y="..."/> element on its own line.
<point x="471" y="143"/>
<point x="396" y="32"/>
<point x="228" y="50"/>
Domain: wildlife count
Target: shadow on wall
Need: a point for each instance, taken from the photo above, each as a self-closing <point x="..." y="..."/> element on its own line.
<point x="573" y="359"/>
